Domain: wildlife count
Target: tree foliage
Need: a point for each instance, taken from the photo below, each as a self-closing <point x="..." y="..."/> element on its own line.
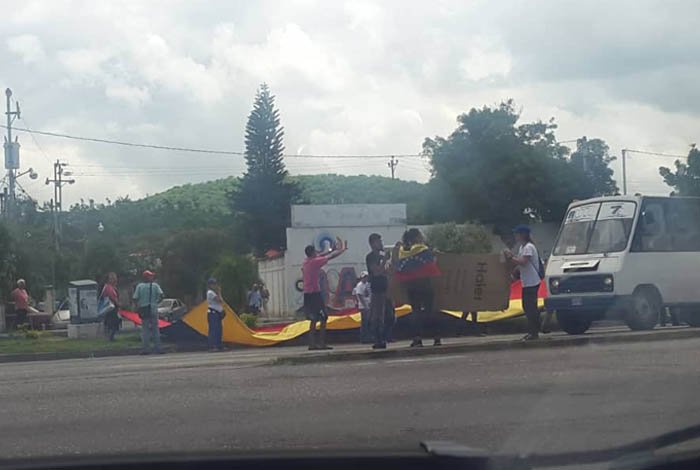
<point x="500" y="172"/>
<point x="265" y="193"/>
<point x="593" y="158"/>
<point x="466" y="238"/>
<point x="685" y="180"/>
<point x="235" y="275"/>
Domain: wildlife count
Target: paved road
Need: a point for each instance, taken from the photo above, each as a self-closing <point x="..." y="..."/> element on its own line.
<point x="540" y="400"/>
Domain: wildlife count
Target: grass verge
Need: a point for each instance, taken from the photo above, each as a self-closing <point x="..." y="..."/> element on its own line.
<point x="46" y="343"/>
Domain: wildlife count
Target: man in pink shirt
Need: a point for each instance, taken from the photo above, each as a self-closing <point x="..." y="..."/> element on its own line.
<point x="21" y="299"/>
<point x="314" y="307"/>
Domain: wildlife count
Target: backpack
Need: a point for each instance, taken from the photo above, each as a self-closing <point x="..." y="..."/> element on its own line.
<point x="540" y="265"/>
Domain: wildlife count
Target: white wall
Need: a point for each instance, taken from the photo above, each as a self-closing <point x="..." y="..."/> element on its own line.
<point x="271" y="273"/>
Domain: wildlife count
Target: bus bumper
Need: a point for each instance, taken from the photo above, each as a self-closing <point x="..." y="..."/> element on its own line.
<point x="589" y="303"/>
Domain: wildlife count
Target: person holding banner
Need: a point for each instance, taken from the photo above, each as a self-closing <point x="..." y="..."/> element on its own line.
<point x="314" y="306"/>
<point x="528" y="268"/>
<point x="414" y="270"/>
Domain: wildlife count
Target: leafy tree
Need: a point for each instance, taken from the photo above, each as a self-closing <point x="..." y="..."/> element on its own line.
<point x="500" y="172"/>
<point x="592" y="157"/>
<point x="6" y="261"/>
<point x="188" y="260"/>
<point x="686" y="179"/>
<point x="453" y="238"/>
<point x="265" y="192"/>
<point x="235" y="275"/>
<point x="100" y="258"/>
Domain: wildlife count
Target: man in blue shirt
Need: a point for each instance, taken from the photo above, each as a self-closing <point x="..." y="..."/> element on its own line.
<point x="147" y="296"/>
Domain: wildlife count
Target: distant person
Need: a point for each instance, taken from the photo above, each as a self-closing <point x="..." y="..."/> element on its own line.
<point x="527" y="264"/>
<point x="314" y="306"/>
<point x="215" y="315"/>
<point x="20" y="297"/>
<point x="377" y="267"/>
<point x="265" y="294"/>
<point x="254" y="300"/>
<point x="363" y="296"/>
<point x="147" y="296"/>
<point x="415" y="269"/>
<point x="112" y="321"/>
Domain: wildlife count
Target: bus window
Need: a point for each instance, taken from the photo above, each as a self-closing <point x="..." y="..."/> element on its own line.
<point x="684" y="224"/>
<point x="652" y="233"/>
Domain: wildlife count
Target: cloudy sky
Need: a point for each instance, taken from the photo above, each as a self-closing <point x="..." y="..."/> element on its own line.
<point x="351" y="77"/>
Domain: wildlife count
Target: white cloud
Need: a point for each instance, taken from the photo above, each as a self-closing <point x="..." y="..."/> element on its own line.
<point x="28" y="47"/>
<point x="134" y="96"/>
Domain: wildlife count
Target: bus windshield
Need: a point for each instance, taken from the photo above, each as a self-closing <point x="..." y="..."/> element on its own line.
<point x="596" y="228"/>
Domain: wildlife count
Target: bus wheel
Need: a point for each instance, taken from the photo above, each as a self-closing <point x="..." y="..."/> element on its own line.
<point x="572" y="323"/>
<point x="645" y="310"/>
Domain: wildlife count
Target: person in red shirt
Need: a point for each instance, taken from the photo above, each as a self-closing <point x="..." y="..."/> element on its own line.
<point x="314" y="307"/>
<point x="21" y="299"/>
<point x="111" y="319"/>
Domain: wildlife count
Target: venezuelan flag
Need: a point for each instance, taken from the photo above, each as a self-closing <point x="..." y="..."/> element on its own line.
<point x="418" y="262"/>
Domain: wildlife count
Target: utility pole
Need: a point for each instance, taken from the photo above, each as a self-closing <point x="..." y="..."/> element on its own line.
<point x="11" y="154"/>
<point x="57" y="203"/>
<point x="624" y="172"/>
<point x="393" y="163"/>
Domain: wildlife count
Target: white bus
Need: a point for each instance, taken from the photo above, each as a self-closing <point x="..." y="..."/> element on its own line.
<point x="626" y="257"/>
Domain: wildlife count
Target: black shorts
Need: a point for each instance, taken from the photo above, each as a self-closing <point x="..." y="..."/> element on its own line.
<point x="314" y="307"/>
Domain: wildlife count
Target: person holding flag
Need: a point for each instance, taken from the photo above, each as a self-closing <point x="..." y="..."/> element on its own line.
<point x="414" y="269"/>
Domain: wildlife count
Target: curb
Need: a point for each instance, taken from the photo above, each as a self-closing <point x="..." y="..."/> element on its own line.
<point x="500" y="345"/>
<point x="52" y="356"/>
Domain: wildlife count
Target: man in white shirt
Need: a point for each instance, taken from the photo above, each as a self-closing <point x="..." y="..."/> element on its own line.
<point x="528" y="265"/>
<point x="363" y="296"/>
<point x="215" y="315"/>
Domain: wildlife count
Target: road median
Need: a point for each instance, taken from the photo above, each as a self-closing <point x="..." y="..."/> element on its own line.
<point x="500" y="344"/>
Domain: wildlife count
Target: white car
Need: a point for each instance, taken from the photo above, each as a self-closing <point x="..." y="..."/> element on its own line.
<point x="171" y="309"/>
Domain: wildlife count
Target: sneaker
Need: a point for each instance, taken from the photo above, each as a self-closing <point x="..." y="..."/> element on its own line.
<point x="160" y="351"/>
<point x="324" y="348"/>
<point x="437" y="342"/>
<point x="379" y="346"/>
<point x="416" y="343"/>
<point x="530" y="337"/>
<point x="313" y="348"/>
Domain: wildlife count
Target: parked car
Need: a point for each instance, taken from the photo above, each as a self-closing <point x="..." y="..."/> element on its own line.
<point x="171" y="309"/>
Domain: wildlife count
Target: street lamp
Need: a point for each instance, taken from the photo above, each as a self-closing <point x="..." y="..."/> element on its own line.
<point x="100" y="227"/>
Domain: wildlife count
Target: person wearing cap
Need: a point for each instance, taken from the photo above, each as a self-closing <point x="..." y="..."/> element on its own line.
<point x="363" y="296"/>
<point x="20" y="297"/>
<point x="215" y="315"/>
<point x="527" y="264"/>
<point x="147" y="296"/>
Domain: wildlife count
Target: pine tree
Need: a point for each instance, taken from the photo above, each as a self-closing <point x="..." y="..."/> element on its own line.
<point x="265" y="194"/>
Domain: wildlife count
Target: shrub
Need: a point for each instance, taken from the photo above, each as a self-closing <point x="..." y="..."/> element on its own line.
<point x="466" y="238"/>
<point x="250" y="320"/>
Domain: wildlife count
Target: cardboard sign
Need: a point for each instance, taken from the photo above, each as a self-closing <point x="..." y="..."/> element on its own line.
<point x="469" y="283"/>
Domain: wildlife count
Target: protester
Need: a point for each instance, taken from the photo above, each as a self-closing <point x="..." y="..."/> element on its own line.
<point x="215" y="315"/>
<point x="528" y="270"/>
<point x="20" y="297"/>
<point x="363" y="295"/>
<point x="147" y="296"/>
<point x="415" y="269"/>
<point x="265" y="294"/>
<point x="314" y="306"/>
<point x="254" y="300"/>
<point x="112" y="322"/>
<point x="377" y="266"/>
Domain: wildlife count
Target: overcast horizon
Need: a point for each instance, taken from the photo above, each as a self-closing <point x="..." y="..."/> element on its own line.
<point x="355" y="77"/>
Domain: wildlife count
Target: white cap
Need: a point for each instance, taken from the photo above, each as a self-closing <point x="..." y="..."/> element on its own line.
<point x="364" y="274"/>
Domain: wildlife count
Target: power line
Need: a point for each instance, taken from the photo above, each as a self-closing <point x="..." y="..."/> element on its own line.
<point x="659" y="154"/>
<point x="190" y="149"/>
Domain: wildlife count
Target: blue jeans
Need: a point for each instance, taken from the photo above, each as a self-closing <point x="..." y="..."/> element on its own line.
<point x="149" y="329"/>
<point x="215" y="329"/>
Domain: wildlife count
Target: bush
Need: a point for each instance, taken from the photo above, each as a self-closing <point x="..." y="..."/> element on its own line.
<point x="250" y="320"/>
<point x="235" y="275"/>
<point x="453" y="238"/>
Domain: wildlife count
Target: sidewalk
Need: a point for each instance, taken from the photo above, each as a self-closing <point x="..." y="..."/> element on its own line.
<point x="289" y="355"/>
